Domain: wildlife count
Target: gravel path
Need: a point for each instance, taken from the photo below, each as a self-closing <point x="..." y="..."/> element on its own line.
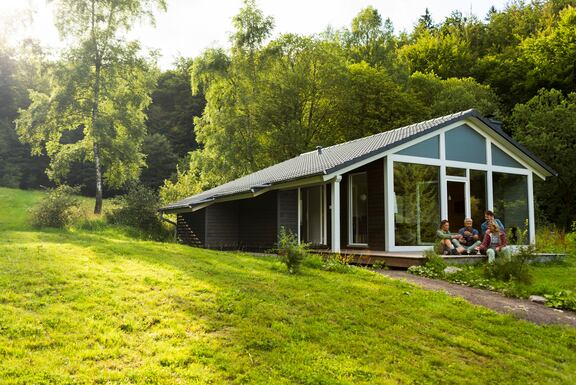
<point x="520" y="308"/>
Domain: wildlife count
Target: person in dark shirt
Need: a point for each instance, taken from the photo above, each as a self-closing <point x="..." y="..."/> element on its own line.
<point x="489" y="216"/>
<point x="470" y="237"/>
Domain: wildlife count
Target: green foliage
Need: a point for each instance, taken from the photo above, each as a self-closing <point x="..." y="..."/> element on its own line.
<point x="313" y="261"/>
<point x="564" y="299"/>
<point x="59" y="208"/>
<point x="435" y="261"/>
<point x="448" y="55"/>
<point x="379" y="266"/>
<point x="290" y="251"/>
<point x="160" y="160"/>
<point x="138" y="208"/>
<point x="552" y="239"/>
<point x="371" y="40"/>
<point x="424" y="271"/>
<point x="339" y="263"/>
<point x="549" y="54"/>
<point x="516" y="268"/>
<point x="545" y="125"/>
<point x="100" y="86"/>
<point x="571" y="238"/>
<point x="432" y="268"/>
<point x="444" y="97"/>
<point x="17" y="73"/>
<point x="172" y="111"/>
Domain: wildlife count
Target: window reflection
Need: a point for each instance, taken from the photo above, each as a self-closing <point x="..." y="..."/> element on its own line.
<point x="511" y="204"/>
<point x="417" y="211"/>
<point x="359" y="200"/>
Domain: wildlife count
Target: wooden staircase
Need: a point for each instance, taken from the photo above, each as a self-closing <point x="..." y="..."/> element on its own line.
<point x="185" y="234"/>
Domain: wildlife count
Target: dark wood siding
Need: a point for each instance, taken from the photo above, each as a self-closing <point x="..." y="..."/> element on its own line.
<point x="258" y="221"/>
<point x="222" y="222"/>
<point x="191" y="229"/>
<point x="376" y="205"/>
<point x="375" y="174"/>
<point x="288" y="210"/>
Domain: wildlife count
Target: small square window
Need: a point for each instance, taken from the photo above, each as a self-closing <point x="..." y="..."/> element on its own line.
<point x="453" y="171"/>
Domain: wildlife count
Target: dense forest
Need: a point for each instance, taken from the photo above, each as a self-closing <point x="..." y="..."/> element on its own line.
<point x="103" y="116"/>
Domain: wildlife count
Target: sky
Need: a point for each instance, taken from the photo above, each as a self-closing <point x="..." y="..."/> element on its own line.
<point x="190" y="26"/>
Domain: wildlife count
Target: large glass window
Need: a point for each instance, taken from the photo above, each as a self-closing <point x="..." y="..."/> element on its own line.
<point x="477" y="196"/>
<point x="417" y="211"/>
<point x="511" y="203"/>
<point x="359" y="208"/>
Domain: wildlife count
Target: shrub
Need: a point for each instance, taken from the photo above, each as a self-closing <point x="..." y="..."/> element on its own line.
<point x="138" y="208"/>
<point x="432" y="268"/>
<point x="434" y="261"/>
<point x="58" y="208"/>
<point x="290" y="251"/>
<point x="514" y="269"/>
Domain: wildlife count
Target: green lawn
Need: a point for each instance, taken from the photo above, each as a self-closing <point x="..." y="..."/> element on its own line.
<point x="555" y="277"/>
<point x="101" y="307"/>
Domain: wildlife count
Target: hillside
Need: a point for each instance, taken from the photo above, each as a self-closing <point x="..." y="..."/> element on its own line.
<point x="81" y="306"/>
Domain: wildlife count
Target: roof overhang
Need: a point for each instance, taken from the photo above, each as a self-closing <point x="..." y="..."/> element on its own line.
<point x="252" y="192"/>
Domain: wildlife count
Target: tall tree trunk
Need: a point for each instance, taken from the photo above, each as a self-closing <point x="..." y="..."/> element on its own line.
<point x="98" y="206"/>
<point x="94" y="118"/>
<point x="97" y="164"/>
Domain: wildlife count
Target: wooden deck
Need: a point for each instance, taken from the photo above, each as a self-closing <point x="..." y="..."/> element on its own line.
<point x="398" y="258"/>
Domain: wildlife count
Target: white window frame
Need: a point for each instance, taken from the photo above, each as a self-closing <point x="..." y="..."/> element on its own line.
<point x="350" y="208"/>
<point x="390" y="200"/>
<point x="323" y="212"/>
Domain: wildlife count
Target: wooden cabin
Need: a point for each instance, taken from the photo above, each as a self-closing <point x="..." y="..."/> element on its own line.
<point x="384" y="194"/>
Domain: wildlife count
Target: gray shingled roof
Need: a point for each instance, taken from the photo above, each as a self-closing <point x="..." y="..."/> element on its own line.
<point x="332" y="159"/>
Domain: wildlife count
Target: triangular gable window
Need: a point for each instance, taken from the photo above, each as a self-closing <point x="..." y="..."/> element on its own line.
<point x="500" y="158"/>
<point x="429" y="148"/>
<point x="465" y="145"/>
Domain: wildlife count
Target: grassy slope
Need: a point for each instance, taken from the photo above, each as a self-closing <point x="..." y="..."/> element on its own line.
<point x="99" y="307"/>
<point x="552" y="278"/>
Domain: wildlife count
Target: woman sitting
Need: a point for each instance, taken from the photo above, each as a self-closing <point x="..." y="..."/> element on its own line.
<point x="494" y="243"/>
<point x="449" y="242"/>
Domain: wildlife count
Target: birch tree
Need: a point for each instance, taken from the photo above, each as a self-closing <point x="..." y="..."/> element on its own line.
<point x="100" y="87"/>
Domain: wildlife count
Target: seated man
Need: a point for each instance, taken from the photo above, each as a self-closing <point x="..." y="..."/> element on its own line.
<point x="449" y="243"/>
<point x="489" y="216"/>
<point x="494" y="243"/>
<point x="470" y="237"/>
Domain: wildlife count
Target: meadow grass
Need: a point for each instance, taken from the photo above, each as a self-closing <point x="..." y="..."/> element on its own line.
<point x="80" y="306"/>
